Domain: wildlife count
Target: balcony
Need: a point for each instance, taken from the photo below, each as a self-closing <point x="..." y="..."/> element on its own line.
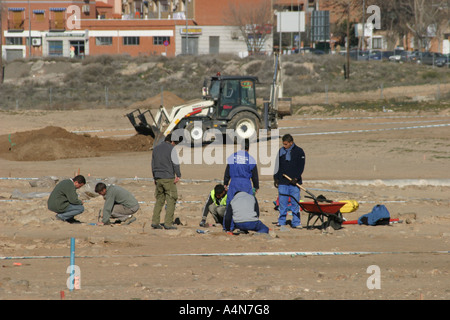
<point x="16" y="25"/>
<point x="57" y="25"/>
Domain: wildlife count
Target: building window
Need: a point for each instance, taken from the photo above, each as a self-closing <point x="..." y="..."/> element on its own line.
<point x="55" y="48"/>
<point x="103" y="41"/>
<point x="160" y="40"/>
<point x="214" y="44"/>
<point x="39" y="15"/>
<point x="377" y="43"/>
<point x="14" y="41"/>
<point x="17" y="21"/>
<point x="130" y="41"/>
<point x="58" y="21"/>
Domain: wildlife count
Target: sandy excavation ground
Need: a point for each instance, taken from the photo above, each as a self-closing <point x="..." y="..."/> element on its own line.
<point x="399" y="160"/>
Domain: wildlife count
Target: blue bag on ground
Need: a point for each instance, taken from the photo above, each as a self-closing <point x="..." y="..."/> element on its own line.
<point x="378" y="216"/>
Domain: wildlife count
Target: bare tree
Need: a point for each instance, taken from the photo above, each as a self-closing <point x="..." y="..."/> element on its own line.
<point x="437" y="15"/>
<point x="420" y="18"/>
<point x="417" y="25"/>
<point x="429" y="18"/>
<point x="346" y="8"/>
<point x="394" y="17"/>
<point x="254" y="22"/>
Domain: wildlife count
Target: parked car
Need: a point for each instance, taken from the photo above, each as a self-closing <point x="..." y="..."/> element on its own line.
<point x="447" y="56"/>
<point x="406" y="56"/>
<point x="376" y="55"/>
<point x="309" y="50"/>
<point x="434" y="58"/>
<point x="396" y="57"/>
<point x="360" y="55"/>
<point x="386" y="54"/>
<point x="318" y="52"/>
<point x="416" y="56"/>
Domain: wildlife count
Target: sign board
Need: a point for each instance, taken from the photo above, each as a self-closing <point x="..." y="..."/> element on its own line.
<point x="368" y="32"/>
<point x="192" y="31"/>
<point x="166" y="43"/>
<point x="293" y="21"/>
<point x="446" y="46"/>
<point x="320" y="26"/>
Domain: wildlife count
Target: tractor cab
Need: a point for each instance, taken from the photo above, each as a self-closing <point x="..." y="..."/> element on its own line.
<point x="231" y="92"/>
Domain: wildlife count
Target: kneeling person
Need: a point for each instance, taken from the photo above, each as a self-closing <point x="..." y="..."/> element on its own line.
<point x="243" y="213"/>
<point x="64" y="201"/>
<point x="119" y="203"/>
<point x="216" y="204"/>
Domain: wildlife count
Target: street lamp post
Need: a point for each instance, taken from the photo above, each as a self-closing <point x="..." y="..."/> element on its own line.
<point x="187" y="34"/>
<point x="1" y="46"/>
<point x="29" y="30"/>
<point x="364" y="26"/>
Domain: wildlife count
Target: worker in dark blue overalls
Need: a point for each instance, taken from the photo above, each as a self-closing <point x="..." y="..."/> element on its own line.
<point x="242" y="171"/>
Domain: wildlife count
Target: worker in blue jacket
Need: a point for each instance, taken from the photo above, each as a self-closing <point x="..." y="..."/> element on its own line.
<point x="290" y="161"/>
<point x="242" y="171"/>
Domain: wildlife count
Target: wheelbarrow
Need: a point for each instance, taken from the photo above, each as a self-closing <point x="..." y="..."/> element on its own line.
<point x="325" y="212"/>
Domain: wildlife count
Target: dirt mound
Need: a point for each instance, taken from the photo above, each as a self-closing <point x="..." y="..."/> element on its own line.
<point x="52" y="143"/>
<point x="169" y="100"/>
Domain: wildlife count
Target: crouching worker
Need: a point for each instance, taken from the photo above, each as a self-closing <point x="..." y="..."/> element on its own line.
<point x="63" y="200"/>
<point x="216" y="205"/>
<point x="119" y="204"/>
<point x="243" y="213"/>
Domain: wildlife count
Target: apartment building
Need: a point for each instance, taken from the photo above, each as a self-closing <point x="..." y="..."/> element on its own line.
<point x="134" y="27"/>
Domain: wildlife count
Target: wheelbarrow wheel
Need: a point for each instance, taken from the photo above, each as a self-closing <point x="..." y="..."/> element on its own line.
<point x="335" y="221"/>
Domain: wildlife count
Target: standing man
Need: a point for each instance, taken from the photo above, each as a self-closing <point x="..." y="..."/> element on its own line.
<point x="242" y="170"/>
<point x="63" y="200"/>
<point x="291" y="161"/>
<point x="166" y="173"/>
<point x="119" y="204"/>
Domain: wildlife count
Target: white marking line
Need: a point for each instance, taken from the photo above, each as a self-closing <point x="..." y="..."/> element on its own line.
<point x="235" y="254"/>
<point x="370" y="130"/>
<point x="359" y="118"/>
<point x="370" y="124"/>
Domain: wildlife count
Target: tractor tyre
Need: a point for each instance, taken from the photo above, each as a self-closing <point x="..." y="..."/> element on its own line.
<point x="245" y="125"/>
<point x="194" y="133"/>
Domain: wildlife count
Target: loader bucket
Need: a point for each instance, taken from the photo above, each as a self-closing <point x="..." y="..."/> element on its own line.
<point x="284" y="107"/>
<point x="142" y="126"/>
